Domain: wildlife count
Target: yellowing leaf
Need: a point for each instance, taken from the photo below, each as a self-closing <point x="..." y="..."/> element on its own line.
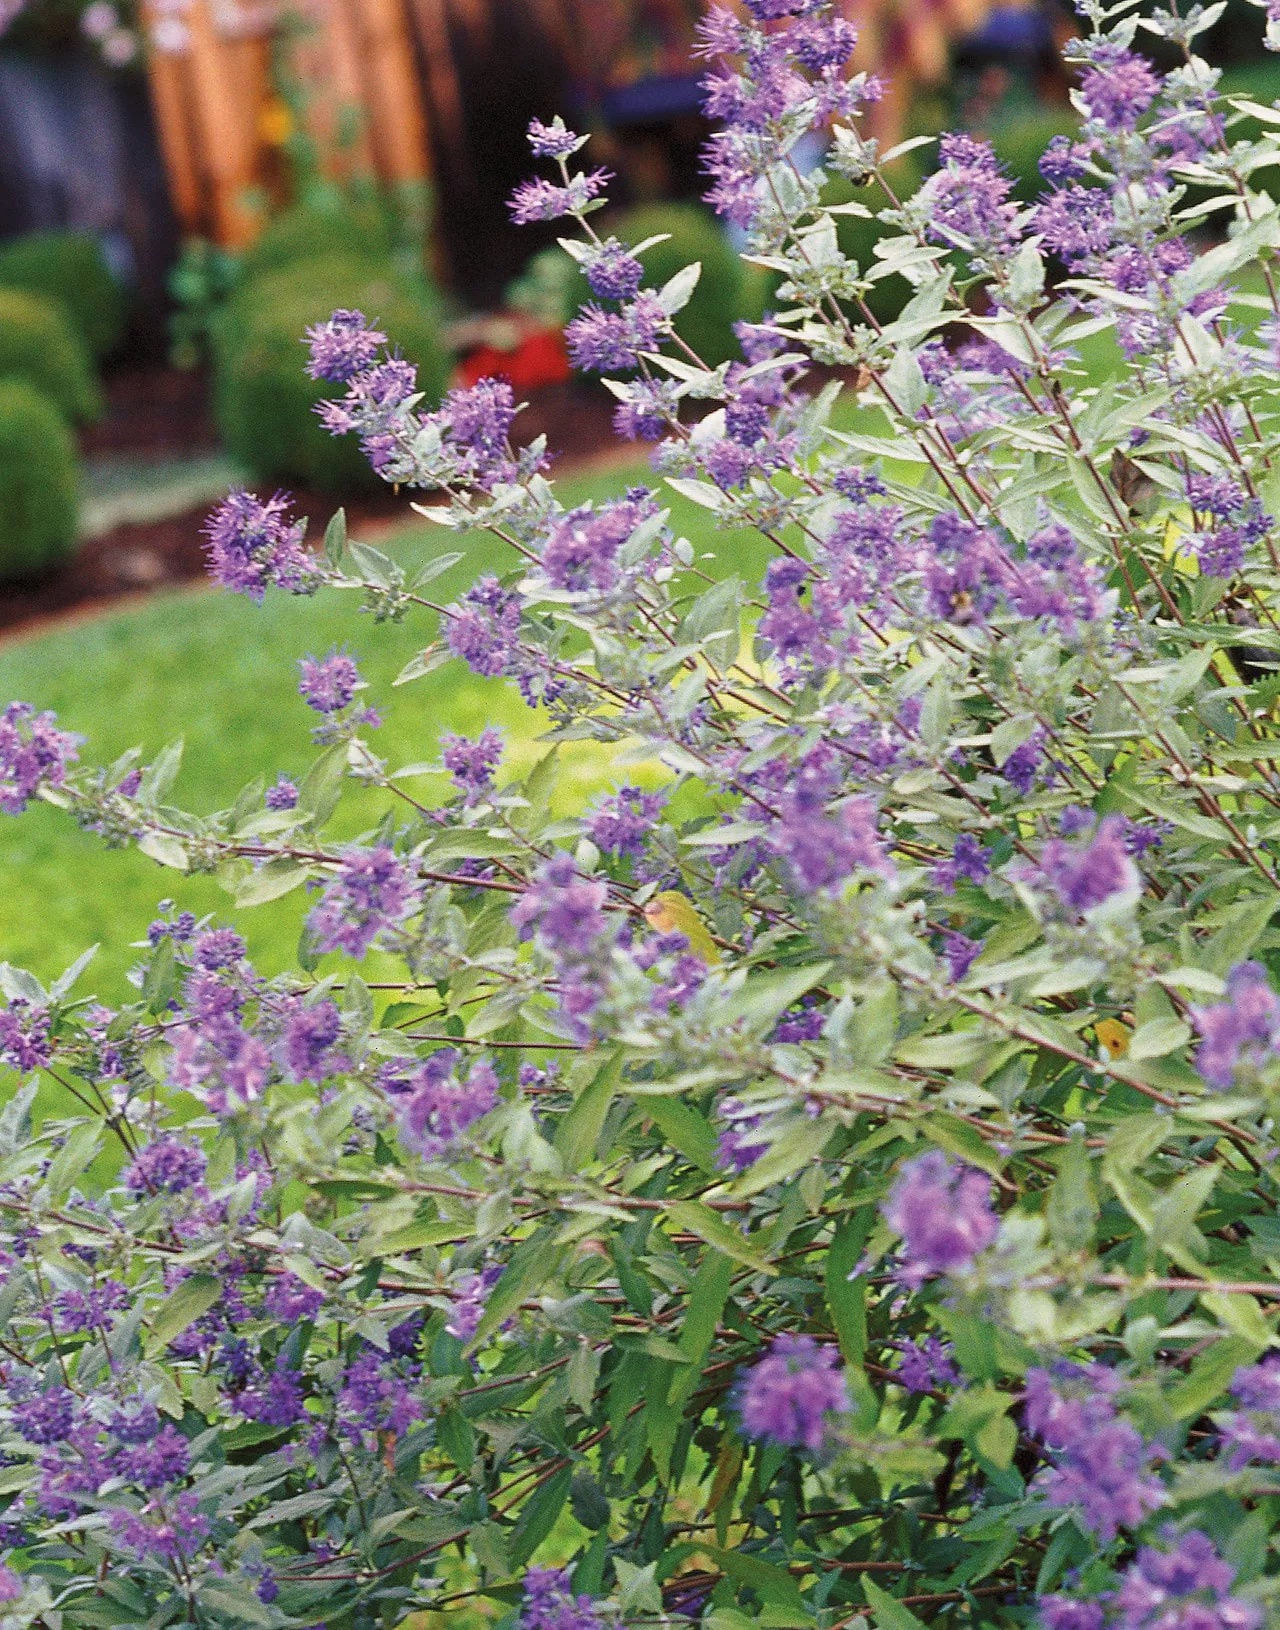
<point x="1113" y="1035"/>
<point x="673" y="913"/>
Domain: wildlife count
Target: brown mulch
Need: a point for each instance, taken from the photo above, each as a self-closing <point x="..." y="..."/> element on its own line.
<point x="163" y="412"/>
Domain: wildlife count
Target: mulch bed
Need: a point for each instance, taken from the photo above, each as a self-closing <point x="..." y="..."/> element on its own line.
<point x="161" y="412"/>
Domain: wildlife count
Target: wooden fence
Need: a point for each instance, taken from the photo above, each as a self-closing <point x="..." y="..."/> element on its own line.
<point x="220" y="120"/>
<point x="370" y="69"/>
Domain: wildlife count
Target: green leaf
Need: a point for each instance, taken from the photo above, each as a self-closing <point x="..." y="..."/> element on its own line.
<point x="771" y="1584"/>
<point x="707" y="1225"/>
<point x="580" y="1128"/>
<point x="193" y="1297"/>
<point x="335" y="537"/>
<point x="889" y="1612"/>
<point x="1210" y="1376"/>
<point x="685" y="1129"/>
<point x="538" y="1516"/>
<point x="704" y="1305"/>
<point x="847" y="1299"/>
<point x="532" y="1264"/>
<point x="75" y="1156"/>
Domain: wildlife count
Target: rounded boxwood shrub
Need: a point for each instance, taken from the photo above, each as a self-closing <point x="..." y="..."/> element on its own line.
<point x="70" y="267"/>
<point x="39" y="482"/>
<point x="310" y="232"/>
<point x="720" y="299"/>
<point x="265" y="403"/>
<point x="38" y="343"/>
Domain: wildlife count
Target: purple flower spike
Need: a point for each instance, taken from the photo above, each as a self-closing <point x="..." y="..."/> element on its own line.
<point x="943" y="1213"/>
<point x="790" y="1396"/>
<point x="342" y="347"/>
<point x="253" y="546"/>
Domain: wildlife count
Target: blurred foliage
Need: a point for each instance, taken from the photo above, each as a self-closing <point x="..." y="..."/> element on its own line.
<point x="39" y="344"/>
<point x="69" y="267"/>
<point x="39" y="482"/>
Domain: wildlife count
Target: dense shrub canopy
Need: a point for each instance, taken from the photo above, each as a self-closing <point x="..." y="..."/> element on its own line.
<point x="69" y="267"/>
<point x="832" y="1178"/>
<point x="39" y="344"/>
<point x="39" y="482"/>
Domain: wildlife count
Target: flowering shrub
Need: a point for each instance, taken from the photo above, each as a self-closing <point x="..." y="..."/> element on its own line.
<point x="835" y="1173"/>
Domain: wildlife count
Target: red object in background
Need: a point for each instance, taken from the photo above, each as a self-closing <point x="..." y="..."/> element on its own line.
<point x="539" y="358"/>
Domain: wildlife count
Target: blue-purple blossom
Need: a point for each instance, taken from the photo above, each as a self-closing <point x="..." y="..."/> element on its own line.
<point x="582" y="552"/>
<point x="1242" y="1033"/>
<point x="541" y="200"/>
<point x="968" y="199"/>
<point x="1186" y="1587"/>
<point x="1085" y="876"/>
<point x="549" y="1603"/>
<point x="942" y="1213"/>
<point x="613" y="272"/>
<point x="291" y="1300"/>
<point x="371" y="895"/>
<point x="34" y="753"/>
<point x="342" y="347"/>
<point x="473" y="1293"/>
<point x="1251" y="1432"/>
<point x="440" y="1104"/>
<point x="375" y="1399"/>
<point x="823" y="849"/>
<point x="253" y="546"/>
<point x="1101" y="1465"/>
<point x="554" y="140"/>
<point x="168" y="1531"/>
<point x="740" y="1144"/>
<point x="282" y="795"/>
<point x="163" y="1459"/>
<point x="472" y="763"/>
<point x="167" y="1166"/>
<point x="24" y="1036"/>
<point x="969" y="860"/>
<point x="602" y="341"/>
<point x="791" y="1394"/>
<point x="1118" y="87"/>
<point x="308" y="1041"/>
<point x="11" y="1586"/>
<point x="623" y="822"/>
<point x="45" y="1417"/>
<point x="328" y="684"/>
<point x="484" y="627"/>
<point x="926" y="1365"/>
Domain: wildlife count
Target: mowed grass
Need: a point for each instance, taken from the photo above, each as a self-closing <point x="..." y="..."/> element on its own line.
<point x="221" y="672"/>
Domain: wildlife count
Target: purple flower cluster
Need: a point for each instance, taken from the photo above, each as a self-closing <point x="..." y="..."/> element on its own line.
<point x="542" y="200"/>
<point x="24" y="1036"/>
<point x="601" y="341"/>
<point x="472" y="763"/>
<point x="926" y="1365"/>
<point x="440" y="1106"/>
<point x="372" y="894"/>
<point x="167" y="1166"/>
<point x="1239" y="523"/>
<point x="342" y="347"/>
<point x="375" y="1399"/>
<point x="283" y="795"/>
<point x="468" y="1309"/>
<point x="308" y="1041"/>
<point x="484" y="628"/>
<point x="1102" y="1466"/>
<point x="968" y="202"/>
<point x="581" y="554"/>
<point x="740" y="1144"/>
<point x="1252" y="1431"/>
<point x="790" y="1395"/>
<point x="822" y="849"/>
<point x="253" y="546"/>
<point x="549" y="1603"/>
<point x="1241" y="1034"/>
<point x="969" y="861"/>
<point x="328" y="684"/>
<point x="34" y="753"/>
<point x="566" y="912"/>
<point x="942" y="1213"/>
<point x="623" y="823"/>
<point x="170" y="1532"/>
<point x="1187" y="1587"/>
<point x="1086" y="876"/>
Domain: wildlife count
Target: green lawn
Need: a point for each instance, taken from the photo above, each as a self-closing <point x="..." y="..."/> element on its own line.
<point x="220" y="671"/>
